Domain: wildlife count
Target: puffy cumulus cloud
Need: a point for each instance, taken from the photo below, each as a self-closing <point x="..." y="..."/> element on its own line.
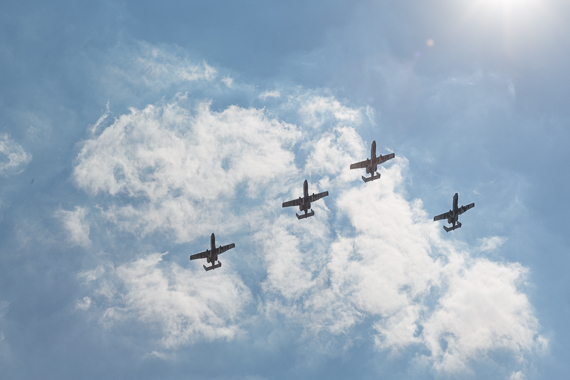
<point x="156" y="67"/>
<point x="181" y="166"/>
<point x="482" y="310"/>
<point x="360" y="274"/>
<point x="13" y="158"/>
<point x="393" y="267"/>
<point x="183" y="170"/>
<point x="76" y="226"/>
<point x="369" y="257"/>
<point x="296" y="286"/>
<point x="180" y="304"/>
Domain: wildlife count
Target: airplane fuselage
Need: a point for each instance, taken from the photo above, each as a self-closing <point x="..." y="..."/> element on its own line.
<point x="213" y="252"/>
<point x="455" y="211"/>
<point x="371" y="169"/>
<point x="306" y="204"/>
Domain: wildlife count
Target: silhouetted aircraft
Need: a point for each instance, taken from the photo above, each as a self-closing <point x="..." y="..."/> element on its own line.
<point x="305" y="202"/>
<point x="212" y="254"/>
<point x="372" y="163"/>
<point x="452" y="216"/>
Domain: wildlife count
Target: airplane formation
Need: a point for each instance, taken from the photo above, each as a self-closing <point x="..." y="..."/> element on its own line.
<point x="304" y="203"/>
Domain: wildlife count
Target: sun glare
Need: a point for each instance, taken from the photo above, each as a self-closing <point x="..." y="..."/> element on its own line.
<point x="503" y="6"/>
<point x="515" y="14"/>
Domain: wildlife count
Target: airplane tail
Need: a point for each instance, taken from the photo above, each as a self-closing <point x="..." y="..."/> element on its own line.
<point x="447" y="229"/>
<point x="214" y="266"/>
<point x="371" y="178"/>
<point x="303" y="216"/>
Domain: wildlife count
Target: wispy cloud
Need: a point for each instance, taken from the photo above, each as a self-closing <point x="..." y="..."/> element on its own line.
<point x="13" y="158"/>
<point x="155" y="67"/>
<point x="228" y="81"/>
<point x="319" y="109"/>
<point x="270" y="94"/>
<point x="5" y="349"/>
<point x="492" y="243"/>
<point x="76" y="226"/>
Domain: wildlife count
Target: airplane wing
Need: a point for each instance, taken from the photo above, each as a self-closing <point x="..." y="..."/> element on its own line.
<point x="443" y="216"/>
<point x="294" y="202"/>
<point x="361" y="164"/>
<point x="224" y="248"/>
<point x="318" y="196"/>
<point x="385" y="158"/>
<point x="462" y="209"/>
<point x="201" y="255"/>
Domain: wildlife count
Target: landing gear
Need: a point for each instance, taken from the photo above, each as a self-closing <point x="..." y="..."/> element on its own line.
<point x="447" y="229"/>
<point x="214" y="266"/>
<point x="372" y="178"/>
<point x="303" y="216"/>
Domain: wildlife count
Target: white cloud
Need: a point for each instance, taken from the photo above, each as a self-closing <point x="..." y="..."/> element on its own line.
<point x="492" y="243"/>
<point x="184" y="305"/>
<point x="270" y="94"/>
<point x="365" y="273"/>
<point x="228" y="81"/>
<point x="76" y="226"/>
<point x="318" y="109"/>
<point x="333" y="153"/>
<point x="181" y="167"/>
<point x="91" y="275"/>
<point x="178" y="169"/>
<point x="157" y="67"/>
<point x="295" y="258"/>
<point x="395" y="268"/>
<point x="519" y="375"/>
<point x="13" y="158"/>
<point x="483" y="310"/>
<point x="369" y="256"/>
<point x="101" y="120"/>
<point x="83" y="304"/>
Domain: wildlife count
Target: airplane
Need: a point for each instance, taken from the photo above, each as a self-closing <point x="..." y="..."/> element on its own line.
<point x="212" y="254"/>
<point x="452" y="216"/>
<point x="305" y="202"/>
<point x="372" y="163"/>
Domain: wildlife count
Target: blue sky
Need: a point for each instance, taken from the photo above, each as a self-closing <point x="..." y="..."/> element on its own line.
<point x="129" y="131"/>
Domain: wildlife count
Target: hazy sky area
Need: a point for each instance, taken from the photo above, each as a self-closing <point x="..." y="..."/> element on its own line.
<point x="132" y="130"/>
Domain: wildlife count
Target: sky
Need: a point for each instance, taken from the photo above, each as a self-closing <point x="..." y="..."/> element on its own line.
<point x="132" y="130"/>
